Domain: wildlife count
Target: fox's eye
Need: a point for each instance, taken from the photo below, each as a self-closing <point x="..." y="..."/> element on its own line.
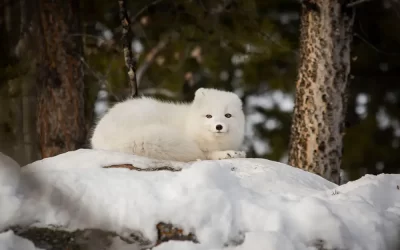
<point x="228" y="115"/>
<point x="208" y="116"/>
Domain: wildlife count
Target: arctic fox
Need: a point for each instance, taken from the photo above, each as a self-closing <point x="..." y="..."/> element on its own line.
<point x="211" y="127"/>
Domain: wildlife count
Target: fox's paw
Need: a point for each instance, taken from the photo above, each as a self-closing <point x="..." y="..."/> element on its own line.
<point x="228" y="154"/>
<point x="234" y="154"/>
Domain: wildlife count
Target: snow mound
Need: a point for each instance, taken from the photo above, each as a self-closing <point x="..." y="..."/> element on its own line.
<point x="9" y="174"/>
<point x="9" y="182"/>
<point x="10" y="241"/>
<point x="264" y="204"/>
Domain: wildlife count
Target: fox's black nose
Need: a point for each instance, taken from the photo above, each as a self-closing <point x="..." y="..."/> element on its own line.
<point x="219" y="127"/>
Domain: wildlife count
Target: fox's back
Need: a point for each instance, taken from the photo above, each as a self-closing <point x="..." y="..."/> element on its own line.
<point x="144" y="111"/>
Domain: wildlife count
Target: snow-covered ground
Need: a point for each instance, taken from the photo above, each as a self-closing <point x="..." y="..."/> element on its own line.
<point x="267" y="204"/>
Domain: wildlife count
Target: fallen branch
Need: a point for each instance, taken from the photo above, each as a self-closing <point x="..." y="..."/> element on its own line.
<point x="130" y="62"/>
<point x="167" y="232"/>
<point x="53" y="237"/>
<point x="131" y="167"/>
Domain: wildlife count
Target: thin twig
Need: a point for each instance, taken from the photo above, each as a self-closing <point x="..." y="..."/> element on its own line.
<point x="101" y="79"/>
<point x="374" y="47"/>
<point x="160" y="91"/>
<point x="145" y="8"/>
<point x="130" y="62"/>
<point x="357" y="2"/>
<point x="150" y="58"/>
<point x="157" y="168"/>
<point x="273" y="40"/>
<point x="89" y="35"/>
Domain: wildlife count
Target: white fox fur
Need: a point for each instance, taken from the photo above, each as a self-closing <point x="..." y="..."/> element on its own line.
<point x="175" y="131"/>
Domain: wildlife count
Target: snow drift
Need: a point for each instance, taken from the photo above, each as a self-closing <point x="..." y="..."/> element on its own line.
<point x="230" y="204"/>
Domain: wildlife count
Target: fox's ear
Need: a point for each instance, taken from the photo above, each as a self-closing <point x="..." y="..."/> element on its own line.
<point x="199" y="93"/>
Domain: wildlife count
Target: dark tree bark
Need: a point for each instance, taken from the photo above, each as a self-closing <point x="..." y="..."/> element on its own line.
<point x="60" y="111"/>
<point x="130" y="62"/>
<point x="318" y="121"/>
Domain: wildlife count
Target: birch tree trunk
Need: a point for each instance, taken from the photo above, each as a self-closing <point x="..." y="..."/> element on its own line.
<point x="60" y="111"/>
<point x="318" y="122"/>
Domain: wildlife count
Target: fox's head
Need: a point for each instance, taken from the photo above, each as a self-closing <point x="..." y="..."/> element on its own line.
<point x="217" y="116"/>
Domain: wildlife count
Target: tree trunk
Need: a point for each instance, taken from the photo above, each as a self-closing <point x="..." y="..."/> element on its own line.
<point x="28" y="107"/>
<point x="320" y="106"/>
<point x="60" y="111"/>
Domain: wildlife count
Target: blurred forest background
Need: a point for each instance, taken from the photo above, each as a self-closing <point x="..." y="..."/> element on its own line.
<point x="246" y="46"/>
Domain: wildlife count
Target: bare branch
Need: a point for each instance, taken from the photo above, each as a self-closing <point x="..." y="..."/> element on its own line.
<point x="145" y="8"/>
<point x="374" y="47"/>
<point x="357" y="2"/>
<point x="101" y="79"/>
<point x="159" y="91"/>
<point x="150" y="58"/>
<point x="220" y="8"/>
<point x="157" y="168"/>
<point x="130" y="62"/>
